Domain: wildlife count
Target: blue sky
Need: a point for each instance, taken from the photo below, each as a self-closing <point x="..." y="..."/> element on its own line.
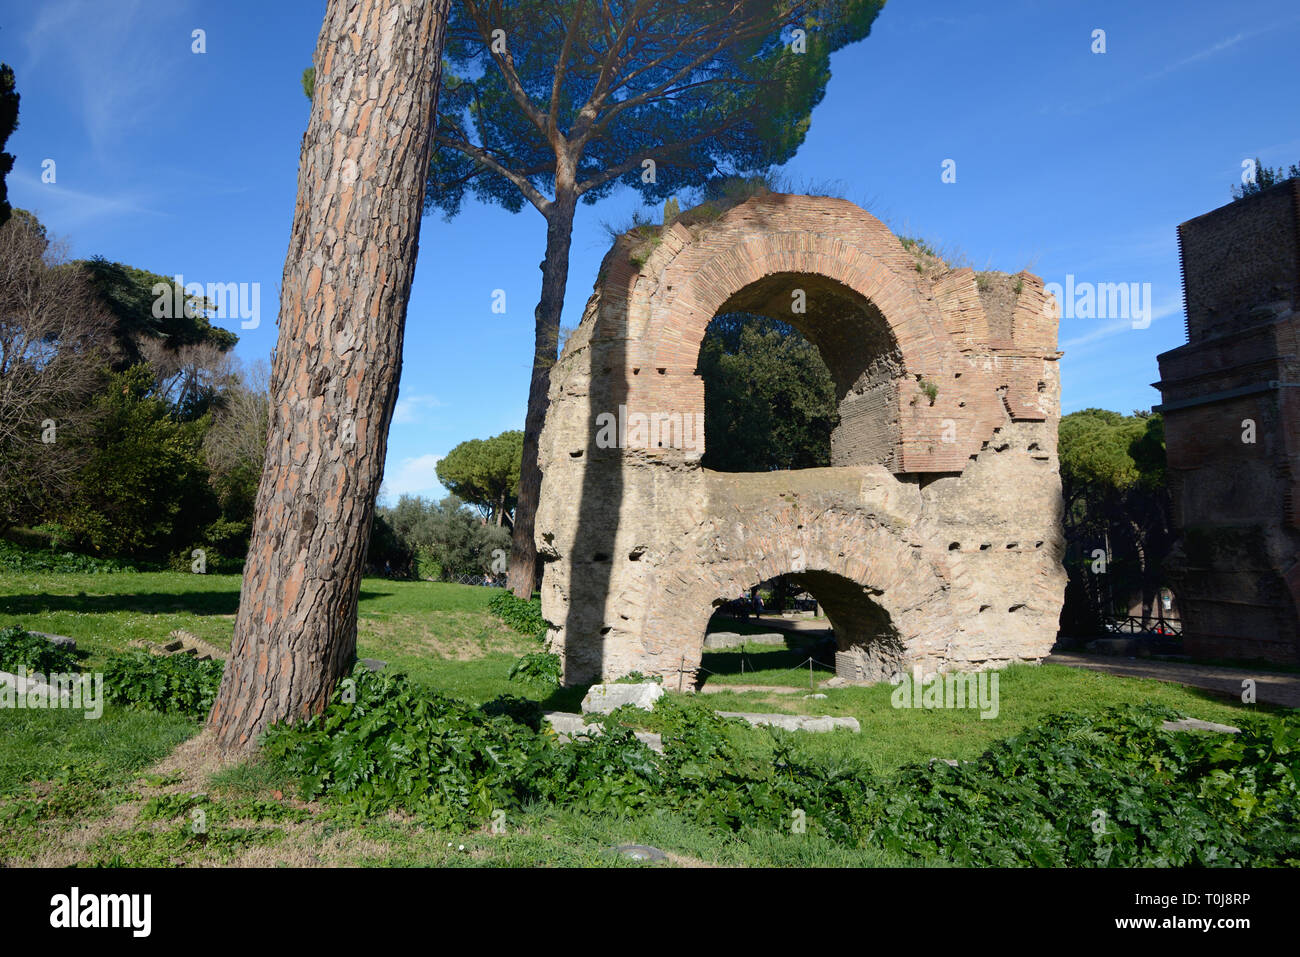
<point x="1067" y="162"/>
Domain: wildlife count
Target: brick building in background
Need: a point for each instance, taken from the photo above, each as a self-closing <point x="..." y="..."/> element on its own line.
<point x="1231" y="404"/>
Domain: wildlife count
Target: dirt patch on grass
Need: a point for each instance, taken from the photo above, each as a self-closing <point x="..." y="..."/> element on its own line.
<point x="66" y="845"/>
<point x="685" y="860"/>
<point x="191" y="764"/>
<point x="301" y="846"/>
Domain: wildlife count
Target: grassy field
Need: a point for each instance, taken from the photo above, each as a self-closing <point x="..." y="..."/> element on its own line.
<point x="115" y="791"/>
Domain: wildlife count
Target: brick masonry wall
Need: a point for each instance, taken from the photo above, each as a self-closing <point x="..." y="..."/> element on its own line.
<point x="935" y="540"/>
<point x="1236" y="569"/>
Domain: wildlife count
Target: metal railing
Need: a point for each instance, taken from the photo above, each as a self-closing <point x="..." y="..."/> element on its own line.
<point x="1158" y="626"/>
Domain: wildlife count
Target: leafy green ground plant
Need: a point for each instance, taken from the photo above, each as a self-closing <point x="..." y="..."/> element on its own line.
<point x="523" y="615"/>
<point x="169" y="684"/>
<point x="397" y="747"/>
<point x="21" y="648"/>
<point x="535" y="667"/>
<point x="1109" y="789"/>
<point x="15" y="558"/>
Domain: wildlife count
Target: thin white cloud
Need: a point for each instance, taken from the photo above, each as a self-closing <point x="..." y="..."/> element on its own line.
<point x="414" y="476"/>
<point x="1216" y="48"/>
<point x="69" y="209"/>
<point x="1115" y="327"/>
<point x="409" y="409"/>
<point x="115" y="62"/>
<point x="1225" y="44"/>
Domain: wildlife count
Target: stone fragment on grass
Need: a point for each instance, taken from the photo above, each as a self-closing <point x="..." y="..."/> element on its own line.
<point x="796" y="722"/>
<point x="58" y="641"/>
<point x="1196" y="724"/>
<point x="602" y="699"/>
<point x="651" y="740"/>
<point x="568" y="725"/>
<point x="642" y="852"/>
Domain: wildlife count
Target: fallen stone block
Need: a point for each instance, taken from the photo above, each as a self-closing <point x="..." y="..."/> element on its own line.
<point x="602" y="699"/>
<point x="796" y="722"/>
<point x="181" y="642"/>
<point x="651" y="740"/>
<point x="1196" y="724"/>
<point x="568" y="725"/>
<point x="58" y="641"/>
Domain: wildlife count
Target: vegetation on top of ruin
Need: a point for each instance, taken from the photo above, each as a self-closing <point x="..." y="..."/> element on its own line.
<point x="714" y="200"/>
<point x="1265" y="178"/>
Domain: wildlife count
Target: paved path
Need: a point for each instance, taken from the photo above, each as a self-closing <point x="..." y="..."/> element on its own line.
<point x="1271" y="687"/>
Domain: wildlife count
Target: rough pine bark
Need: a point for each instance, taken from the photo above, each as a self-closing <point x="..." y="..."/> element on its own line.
<point x="347" y="278"/>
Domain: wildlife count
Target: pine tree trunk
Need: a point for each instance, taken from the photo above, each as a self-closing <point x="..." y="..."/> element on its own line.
<point x="546" y="337"/>
<point x="347" y="278"/>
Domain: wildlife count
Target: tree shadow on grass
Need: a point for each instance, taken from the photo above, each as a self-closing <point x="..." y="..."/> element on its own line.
<point x="565" y="699"/>
<point x="734" y="662"/>
<point x="147" y="603"/>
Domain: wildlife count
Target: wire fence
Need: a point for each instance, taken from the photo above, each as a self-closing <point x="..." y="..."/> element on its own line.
<point x="810" y="661"/>
<point x="483" y="581"/>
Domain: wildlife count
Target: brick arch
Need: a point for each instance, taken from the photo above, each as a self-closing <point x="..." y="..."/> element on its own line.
<point x="888" y="601"/>
<point x="696" y="272"/>
<point x="678" y="321"/>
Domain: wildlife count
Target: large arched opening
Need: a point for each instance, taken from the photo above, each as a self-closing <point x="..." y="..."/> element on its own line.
<point x="849" y="391"/>
<point x="846" y="631"/>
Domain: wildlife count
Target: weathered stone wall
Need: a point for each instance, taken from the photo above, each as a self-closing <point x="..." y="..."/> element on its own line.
<point x="1236" y="570"/>
<point x="935" y="538"/>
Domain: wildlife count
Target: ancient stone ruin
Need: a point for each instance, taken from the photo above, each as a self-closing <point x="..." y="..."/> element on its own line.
<point x="1231" y="407"/>
<point x="934" y="540"/>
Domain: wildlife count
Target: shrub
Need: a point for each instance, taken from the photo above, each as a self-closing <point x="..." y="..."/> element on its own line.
<point x="214" y="563"/>
<point x="14" y="558"/>
<point x="170" y="684"/>
<point x="426" y="565"/>
<point x="537" y="667"/>
<point x="445" y="538"/>
<point x="21" y="648"/>
<point x="520" y="614"/>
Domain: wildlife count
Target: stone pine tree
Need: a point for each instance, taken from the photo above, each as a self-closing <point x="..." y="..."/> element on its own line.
<point x="8" y="123"/>
<point x="485" y="473"/>
<point x="347" y="279"/>
<point x="549" y="103"/>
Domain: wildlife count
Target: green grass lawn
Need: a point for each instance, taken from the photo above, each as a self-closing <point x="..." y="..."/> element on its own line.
<point x="59" y="773"/>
